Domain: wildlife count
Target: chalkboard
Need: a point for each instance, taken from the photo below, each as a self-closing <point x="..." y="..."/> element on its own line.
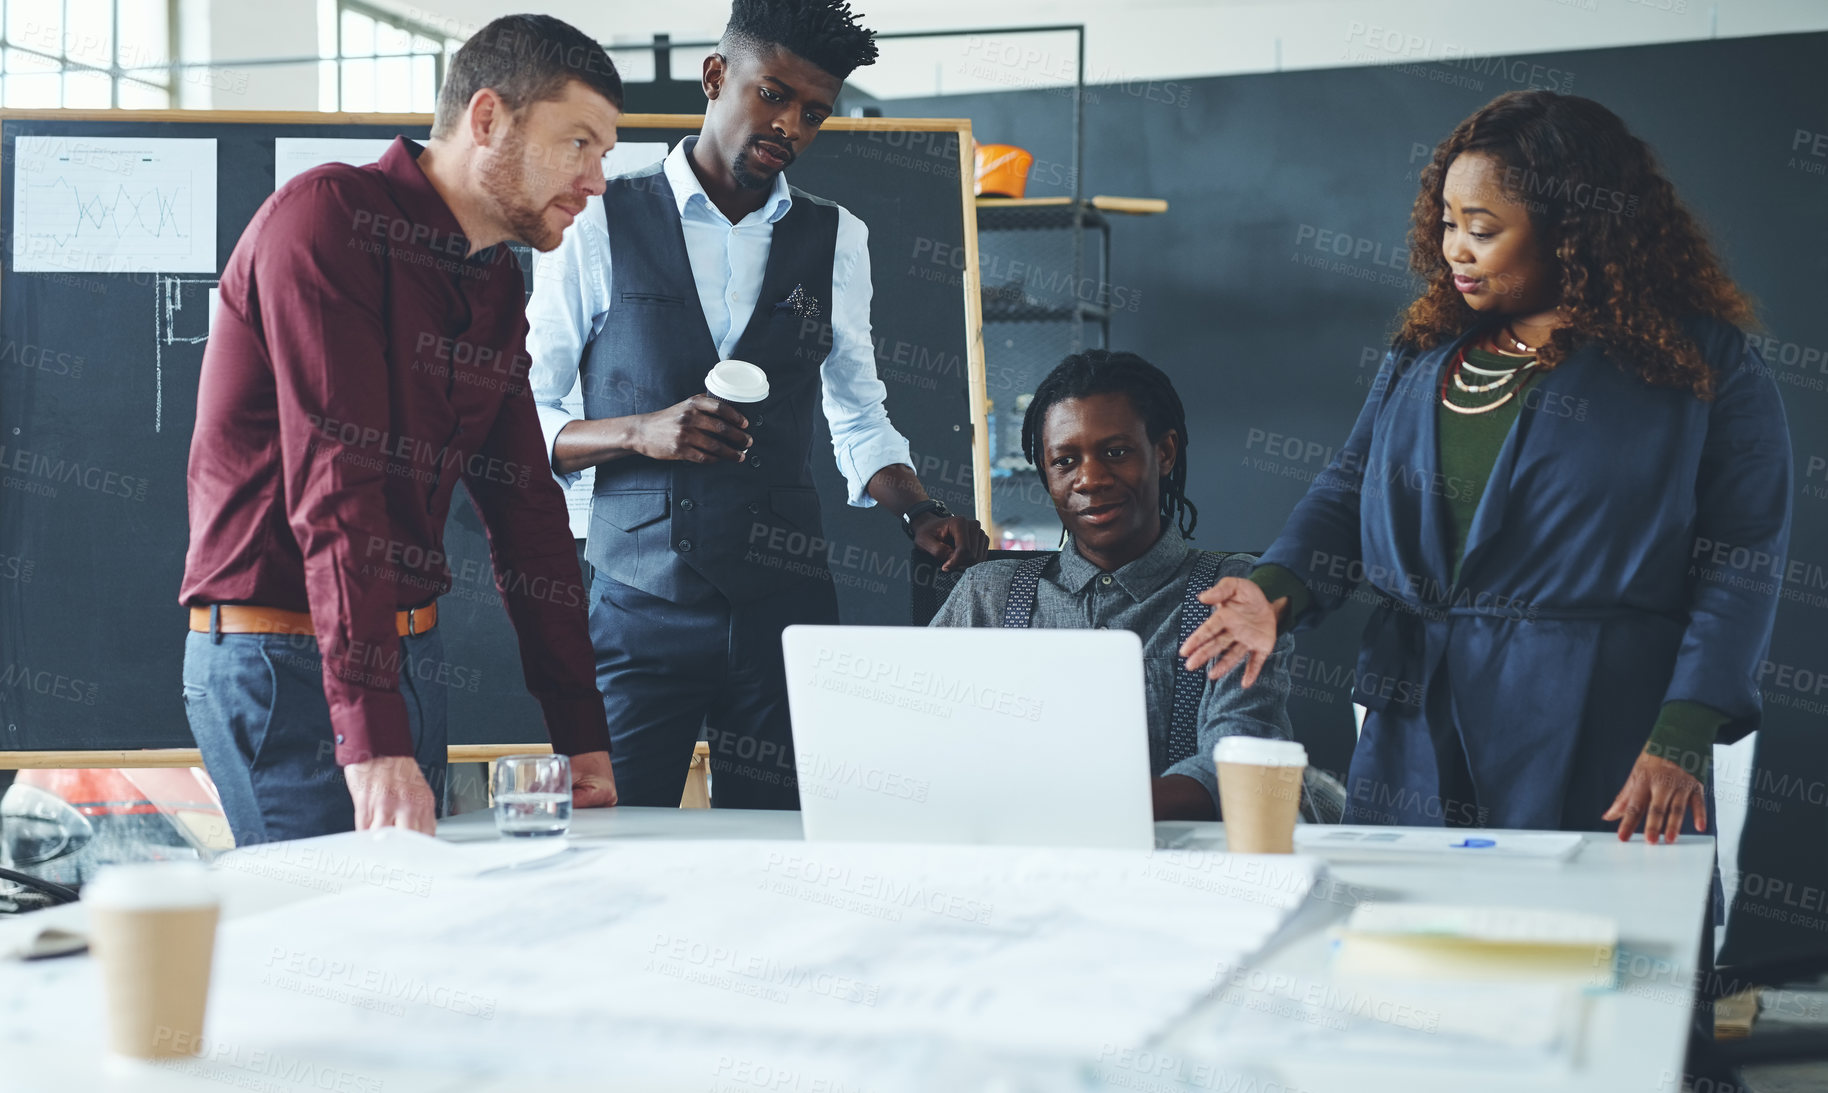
<point x="98" y="381"/>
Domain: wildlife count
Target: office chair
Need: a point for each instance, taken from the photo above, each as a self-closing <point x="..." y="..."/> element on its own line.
<point x="1721" y="1064"/>
<point x="930" y="585"/>
<point x="32" y="891"/>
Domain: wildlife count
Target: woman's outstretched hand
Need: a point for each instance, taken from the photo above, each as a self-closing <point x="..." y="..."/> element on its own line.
<point x="1241" y="630"/>
<point x="1657" y="793"/>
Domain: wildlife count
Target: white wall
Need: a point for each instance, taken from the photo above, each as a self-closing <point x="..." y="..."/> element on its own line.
<point x="1127" y="40"/>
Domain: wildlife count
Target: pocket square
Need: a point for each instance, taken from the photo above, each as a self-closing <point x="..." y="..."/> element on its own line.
<point x="803" y="303"/>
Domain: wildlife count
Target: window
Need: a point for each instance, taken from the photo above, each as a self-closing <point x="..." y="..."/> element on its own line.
<point x="85" y="54"/>
<point x="374" y="60"/>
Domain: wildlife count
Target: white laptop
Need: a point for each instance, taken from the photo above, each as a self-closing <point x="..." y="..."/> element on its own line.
<point x="1009" y="737"/>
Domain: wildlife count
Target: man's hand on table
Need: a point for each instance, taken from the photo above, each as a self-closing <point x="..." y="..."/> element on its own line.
<point x="391" y="791"/>
<point x="593" y="782"/>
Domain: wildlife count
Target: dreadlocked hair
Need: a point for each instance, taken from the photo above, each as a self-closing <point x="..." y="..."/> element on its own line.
<point x="1102" y="372"/>
<point x="825" y="32"/>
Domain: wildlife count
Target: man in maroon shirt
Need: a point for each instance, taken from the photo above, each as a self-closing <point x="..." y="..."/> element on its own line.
<point x="367" y="354"/>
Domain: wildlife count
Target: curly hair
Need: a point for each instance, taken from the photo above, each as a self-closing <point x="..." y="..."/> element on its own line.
<point x="1633" y="263"/>
<point x="825" y="32"/>
<point x="1150" y="391"/>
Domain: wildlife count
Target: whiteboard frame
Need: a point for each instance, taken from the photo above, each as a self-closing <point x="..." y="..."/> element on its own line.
<point x="977" y="387"/>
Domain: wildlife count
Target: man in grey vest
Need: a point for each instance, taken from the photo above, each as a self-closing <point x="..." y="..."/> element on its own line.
<point x="705" y="531"/>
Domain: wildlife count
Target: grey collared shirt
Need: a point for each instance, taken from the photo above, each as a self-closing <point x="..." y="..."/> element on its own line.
<point x="1144" y="598"/>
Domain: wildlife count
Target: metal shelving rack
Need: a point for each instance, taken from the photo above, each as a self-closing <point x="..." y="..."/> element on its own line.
<point x="1011" y="302"/>
<point x="1041" y="303"/>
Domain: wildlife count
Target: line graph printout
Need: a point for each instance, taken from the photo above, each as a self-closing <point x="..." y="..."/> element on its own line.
<point x="115" y="205"/>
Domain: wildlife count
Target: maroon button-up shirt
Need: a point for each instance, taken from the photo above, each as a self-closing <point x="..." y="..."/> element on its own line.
<point x="359" y="366"/>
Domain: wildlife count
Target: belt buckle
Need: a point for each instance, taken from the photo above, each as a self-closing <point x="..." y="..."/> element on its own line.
<point x="412" y="622"/>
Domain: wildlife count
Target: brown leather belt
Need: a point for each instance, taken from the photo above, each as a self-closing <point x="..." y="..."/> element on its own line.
<point x="240" y="618"/>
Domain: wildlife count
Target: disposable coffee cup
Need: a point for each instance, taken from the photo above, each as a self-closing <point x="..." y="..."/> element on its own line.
<point x="737" y="381"/>
<point x="152" y="927"/>
<point x="1259" y="792"/>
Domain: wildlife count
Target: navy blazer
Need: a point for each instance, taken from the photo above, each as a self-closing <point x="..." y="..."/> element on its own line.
<point x="1627" y="551"/>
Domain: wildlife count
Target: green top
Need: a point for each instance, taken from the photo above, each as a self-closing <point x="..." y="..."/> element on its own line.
<point x="1470" y="443"/>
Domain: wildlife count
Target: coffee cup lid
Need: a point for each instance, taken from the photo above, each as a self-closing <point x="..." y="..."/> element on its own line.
<point x="150" y="886"/>
<point x="1260" y="751"/>
<point x="737" y="381"/>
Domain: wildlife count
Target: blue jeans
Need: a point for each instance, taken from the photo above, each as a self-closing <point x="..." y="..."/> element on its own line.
<point x="256" y="706"/>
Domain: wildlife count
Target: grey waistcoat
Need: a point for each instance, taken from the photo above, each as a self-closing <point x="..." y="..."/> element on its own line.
<point x="681" y="530"/>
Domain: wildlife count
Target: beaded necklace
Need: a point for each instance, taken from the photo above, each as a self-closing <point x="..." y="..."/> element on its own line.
<point x="1513" y="378"/>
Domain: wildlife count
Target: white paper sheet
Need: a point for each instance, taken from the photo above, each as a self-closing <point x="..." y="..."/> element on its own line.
<point x="293" y="156"/>
<point x="115" y="205"/>
<point x="1353" y="1021"/>
<point x="1471" y="843"/>
<point x="389" y="858"/>
<point x="628" y="157"/>
<point x="998" y="950"/>
<point x="700" y="965"/>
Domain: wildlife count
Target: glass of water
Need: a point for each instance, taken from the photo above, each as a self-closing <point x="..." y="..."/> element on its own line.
<point x="532" y="795"/>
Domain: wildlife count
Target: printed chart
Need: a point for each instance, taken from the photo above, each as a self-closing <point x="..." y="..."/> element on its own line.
<point x="115" y="205"/>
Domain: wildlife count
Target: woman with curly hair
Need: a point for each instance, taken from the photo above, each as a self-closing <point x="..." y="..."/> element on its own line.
<point x="1567" y="497"/>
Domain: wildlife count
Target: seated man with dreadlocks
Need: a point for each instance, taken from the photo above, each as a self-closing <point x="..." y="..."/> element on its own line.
<point x="1110" y="437"/>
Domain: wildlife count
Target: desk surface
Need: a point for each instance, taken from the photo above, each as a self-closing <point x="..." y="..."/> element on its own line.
<point x="1633" y="1037"/>
<point x="644" y="823"/>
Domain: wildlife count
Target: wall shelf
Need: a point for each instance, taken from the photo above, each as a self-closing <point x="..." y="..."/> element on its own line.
<point x="1041" y="303"/>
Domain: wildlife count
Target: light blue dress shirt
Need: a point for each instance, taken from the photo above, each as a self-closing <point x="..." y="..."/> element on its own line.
<point x="571" y="298"/>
